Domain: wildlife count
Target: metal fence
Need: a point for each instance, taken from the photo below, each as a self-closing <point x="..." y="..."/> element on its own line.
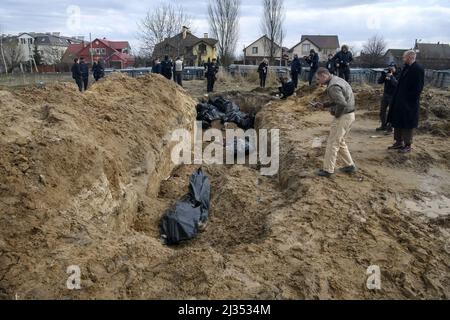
<point x="189" y="73"/>
<point x="26" y="79"/>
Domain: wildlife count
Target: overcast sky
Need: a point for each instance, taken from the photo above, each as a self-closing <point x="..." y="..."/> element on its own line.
<point x="400" y="22"/>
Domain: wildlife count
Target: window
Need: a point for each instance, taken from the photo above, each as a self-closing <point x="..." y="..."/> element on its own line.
<point x="100" y="51"/>
<point x="306" y="48"/>
<point x="23" y="41"/>
<point x="255" y="50"/>
<point x="202" y="48"/>
<point x="30" y="40"/>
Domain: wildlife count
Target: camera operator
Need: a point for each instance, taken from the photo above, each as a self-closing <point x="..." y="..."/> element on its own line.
<point x="390" y="79"/>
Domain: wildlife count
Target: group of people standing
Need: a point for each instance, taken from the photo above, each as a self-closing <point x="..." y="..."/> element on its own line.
<point x="174" y="70"/>
<point x="338" y="64"/>
<point x="80" y="72"/>
<point x="170" y="69"/>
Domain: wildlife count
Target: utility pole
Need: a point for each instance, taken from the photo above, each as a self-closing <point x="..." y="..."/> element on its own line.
<point x="1" y="49"/>
<point x="90" y="49"/>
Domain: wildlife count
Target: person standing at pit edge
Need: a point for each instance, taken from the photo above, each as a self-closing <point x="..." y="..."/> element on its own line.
<point x="211" y="70"/>
<point x="313" y="61"/>
<point x="405" y="107"/>
<point x="343" y="59"/>
<point x="76" y="74"/>
<point x="342" y="107"/>
<point x="84" y="73"/>
<point x="178" y="71"/>
<point x="296" y="70"/>
<point x="262" y="71"/>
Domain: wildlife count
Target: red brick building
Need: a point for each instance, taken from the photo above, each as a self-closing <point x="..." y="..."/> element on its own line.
<point x="114" y="54"/>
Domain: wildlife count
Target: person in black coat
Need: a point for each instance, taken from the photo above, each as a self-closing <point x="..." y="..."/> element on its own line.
<point x="296" y="70"/>
<point x="404" y="111"/>
<point x="389" y="78"/>
<point x="84" y="68"/>
<point x="98" y="71"/>
<point x="166" y="68"/>
<point x="287" y="88"/>
<point x="262" y="71"/>
<point x="331" y="64"/>
<point x="343" y="59"/>
<point x="313" y="61"/>
<point x="76" y="74"/>
<point x="211" y="70"/>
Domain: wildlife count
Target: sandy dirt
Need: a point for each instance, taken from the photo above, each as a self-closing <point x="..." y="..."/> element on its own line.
<point x="84" y="180"/>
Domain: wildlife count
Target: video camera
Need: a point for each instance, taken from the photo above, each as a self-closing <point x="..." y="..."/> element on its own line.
<point x="389" y="69"/>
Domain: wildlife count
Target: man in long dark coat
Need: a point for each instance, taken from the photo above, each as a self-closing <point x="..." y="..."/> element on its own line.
<point x="404" y="111"/>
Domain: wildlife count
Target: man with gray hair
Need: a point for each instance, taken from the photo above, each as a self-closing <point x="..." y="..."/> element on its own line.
<point x="342" y="107"/>
<point x="404" y="110"/>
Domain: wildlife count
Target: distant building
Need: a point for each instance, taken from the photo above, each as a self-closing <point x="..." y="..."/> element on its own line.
<point x="322" y="44"/>
<point x="394" y="55"/>
<point x="50" y="46"/>
<point x="260" y="49"/>
<point x="434" y="56"/>
<point x="193" y="50"/>
<point x="114" y="54"/>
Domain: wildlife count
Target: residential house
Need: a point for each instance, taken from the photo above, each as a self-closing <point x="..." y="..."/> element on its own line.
<point x="394" y="55"/>
<point x="259" y="50"/>
<point x="50" y="46"/>
<point x="322" y="44"/>
<point x="434" y="56"/>
<point x="193" y="50"/>
<point x="114" y="54"/>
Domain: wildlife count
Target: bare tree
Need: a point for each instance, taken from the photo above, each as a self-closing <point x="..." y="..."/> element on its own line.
<point x="272" y="26"/>
<point x="224" y="24"/>
<point x="373" y="51"/>
<point x="161" y="22"/>
<point x="12" y="53"/>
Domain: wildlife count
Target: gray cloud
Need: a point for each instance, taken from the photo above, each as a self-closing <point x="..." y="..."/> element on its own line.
<point x="400" y="22"/>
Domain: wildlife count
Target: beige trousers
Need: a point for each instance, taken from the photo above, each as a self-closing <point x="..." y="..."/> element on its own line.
<point x="340" y="128"/>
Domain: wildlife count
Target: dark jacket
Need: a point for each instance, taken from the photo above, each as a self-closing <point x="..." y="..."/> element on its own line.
<point x="405" y="107"/>
<point x="211" y="69"/>
<point x="389" y="85"/>
<point x="76" y="71"/>
<point x="262" y="69"/>
<point x="84" y="70"/>
<point x="288" y="88"/>
<point x="331" y="65"/>
<point x="343" y="59"/>
<point x="313" y="60"/>
<point x="296" y="66"/>
<point x="97" y="70"/>
<point x="166" y="68"/>
<point x="157" y="68"/>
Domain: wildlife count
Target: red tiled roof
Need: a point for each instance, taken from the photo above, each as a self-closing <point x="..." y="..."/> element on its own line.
<point x="74" y="48"/>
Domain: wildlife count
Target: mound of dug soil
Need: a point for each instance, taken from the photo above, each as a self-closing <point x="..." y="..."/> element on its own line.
<point x="75" y="171"/>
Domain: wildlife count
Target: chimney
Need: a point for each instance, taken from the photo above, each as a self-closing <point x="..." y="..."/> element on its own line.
<point x="205" y="35"/>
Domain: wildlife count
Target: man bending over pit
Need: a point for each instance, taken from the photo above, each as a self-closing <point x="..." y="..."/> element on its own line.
<point x="342" y="108"/>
